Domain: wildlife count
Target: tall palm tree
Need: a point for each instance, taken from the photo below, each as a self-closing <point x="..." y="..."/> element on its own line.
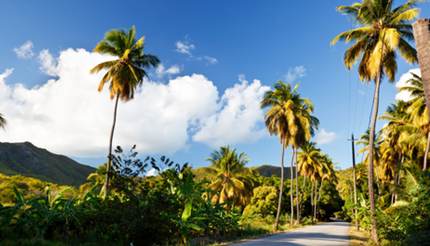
<point x="289" y="117"/>
<point x="123" y="74"/>
<point x="231" y="180"/>
<point x="383" y="32"/>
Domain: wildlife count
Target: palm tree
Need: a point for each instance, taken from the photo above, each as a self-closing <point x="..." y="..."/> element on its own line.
<point x="418" y="111"/>
<point x="123" y="74"/>
<point x="231" y="180"/>
<point x="308" y="162"/>
<point x="383" y="32"/>
<point x="289" y="117"/>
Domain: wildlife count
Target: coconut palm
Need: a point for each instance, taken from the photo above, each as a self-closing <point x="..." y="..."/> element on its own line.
<point x="308" y="164"/>
<point x="123" y="74"/>
<point x="418" y="111"/>
<point x="392" y="148"/>
<point x="289" y="117"/>
<point x="383" y="32"/>
<point x="231" y="182"/>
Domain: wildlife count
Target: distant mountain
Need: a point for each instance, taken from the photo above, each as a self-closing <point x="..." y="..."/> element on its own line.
<point x="269" y="171"/>
<point x="29" y="160"/>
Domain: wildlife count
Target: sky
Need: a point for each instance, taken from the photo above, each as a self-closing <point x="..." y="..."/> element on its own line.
<point x="218" y="58"/>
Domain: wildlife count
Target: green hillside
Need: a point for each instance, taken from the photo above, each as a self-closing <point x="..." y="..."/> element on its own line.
<point x="269" y="171"/>
<point x="29" y="160"/>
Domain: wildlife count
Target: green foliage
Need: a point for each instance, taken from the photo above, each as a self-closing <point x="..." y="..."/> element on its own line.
<point x="263" y="202"/>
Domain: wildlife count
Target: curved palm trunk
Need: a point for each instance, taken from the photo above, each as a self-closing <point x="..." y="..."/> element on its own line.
<point x="292" y="190"/>
<point x="281" y="188"/>
<point x="427" y="152"/>
<point x="105" y="190"/>
<point x="370" y="179"/>
<point x="297" y="186"/>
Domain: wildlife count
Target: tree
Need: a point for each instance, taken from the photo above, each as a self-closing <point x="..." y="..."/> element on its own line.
<point x="289" y="117"/>
<point x="418" y="111"/>
<point x="123" y="74"/>
<point x="308" y="164"/>
<point x="231" y="182"/>
<point x="383" y="32"/>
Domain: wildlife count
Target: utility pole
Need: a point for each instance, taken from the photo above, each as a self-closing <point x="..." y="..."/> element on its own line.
<point x="354" y="180"/>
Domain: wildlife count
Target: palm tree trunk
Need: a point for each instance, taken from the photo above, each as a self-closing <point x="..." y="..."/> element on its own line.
<point x="106" y="186"/>
<point x="370" y="179"/>
<point x="396" y="176"/>
<point x="315" y="200"/>
<point x="297" y="186"/>
<point x="292" y="189"/>
<point x="312" y="200"/>
<point x="281" y="188"/>
<point x="427" y="151"/>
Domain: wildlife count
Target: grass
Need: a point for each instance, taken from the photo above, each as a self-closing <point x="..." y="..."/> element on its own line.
<point x="358" y="238"/>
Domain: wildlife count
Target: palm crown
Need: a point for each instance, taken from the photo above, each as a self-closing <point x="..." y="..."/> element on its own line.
<point x="382" y="31"/>
<point x="125" y="73"/>
<point x="289" y="115"/>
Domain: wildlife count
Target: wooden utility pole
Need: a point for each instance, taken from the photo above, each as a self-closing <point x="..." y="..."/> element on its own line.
<point x="354" y="180"/>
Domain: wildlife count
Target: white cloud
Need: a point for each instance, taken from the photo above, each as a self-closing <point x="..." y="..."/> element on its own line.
<point x="403" y="81"/>
<point x="324" y="137"/>
<point x="294" y="73"/>
<point x="68" y="115"/>
<point x="238" y="119"/>
<point x="210" y="60"/>
<point x="25" y="51"/>
<point x="48" y="64"/>
<point x="184" y="47"/>
<point x="161" y="71"/>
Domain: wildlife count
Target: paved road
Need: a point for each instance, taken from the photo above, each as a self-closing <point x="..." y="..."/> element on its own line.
<point x="331" y="233"/>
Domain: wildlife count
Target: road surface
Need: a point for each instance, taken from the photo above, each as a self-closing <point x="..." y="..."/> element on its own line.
<point x="331" y="233"/>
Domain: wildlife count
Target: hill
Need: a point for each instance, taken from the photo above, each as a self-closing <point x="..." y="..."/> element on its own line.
<point x="269" y="170"/>
<point x="29" y="160"/>
<point x="263" y="170"/>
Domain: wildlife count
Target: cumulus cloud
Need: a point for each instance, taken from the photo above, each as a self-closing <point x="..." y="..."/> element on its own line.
<point x="25" y="51"/>
<point x="403" y="81"/>
<point x="48" y="64"/>
<point x="184" y="47"/>
<point x="324" y="137"/>
<point x="294" y="73"/>
<point x="68" y="115"/>
<point x="238" y="119"/>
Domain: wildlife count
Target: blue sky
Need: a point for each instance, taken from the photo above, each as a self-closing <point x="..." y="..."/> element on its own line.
<point x="250" y="38"/>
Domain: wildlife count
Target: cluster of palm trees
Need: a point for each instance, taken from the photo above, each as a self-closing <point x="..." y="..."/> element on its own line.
<point x="312" y="163"/>
<point x="384" y="32"/>
<point x="401" y="146"/>
<point x="290" y="117"/>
